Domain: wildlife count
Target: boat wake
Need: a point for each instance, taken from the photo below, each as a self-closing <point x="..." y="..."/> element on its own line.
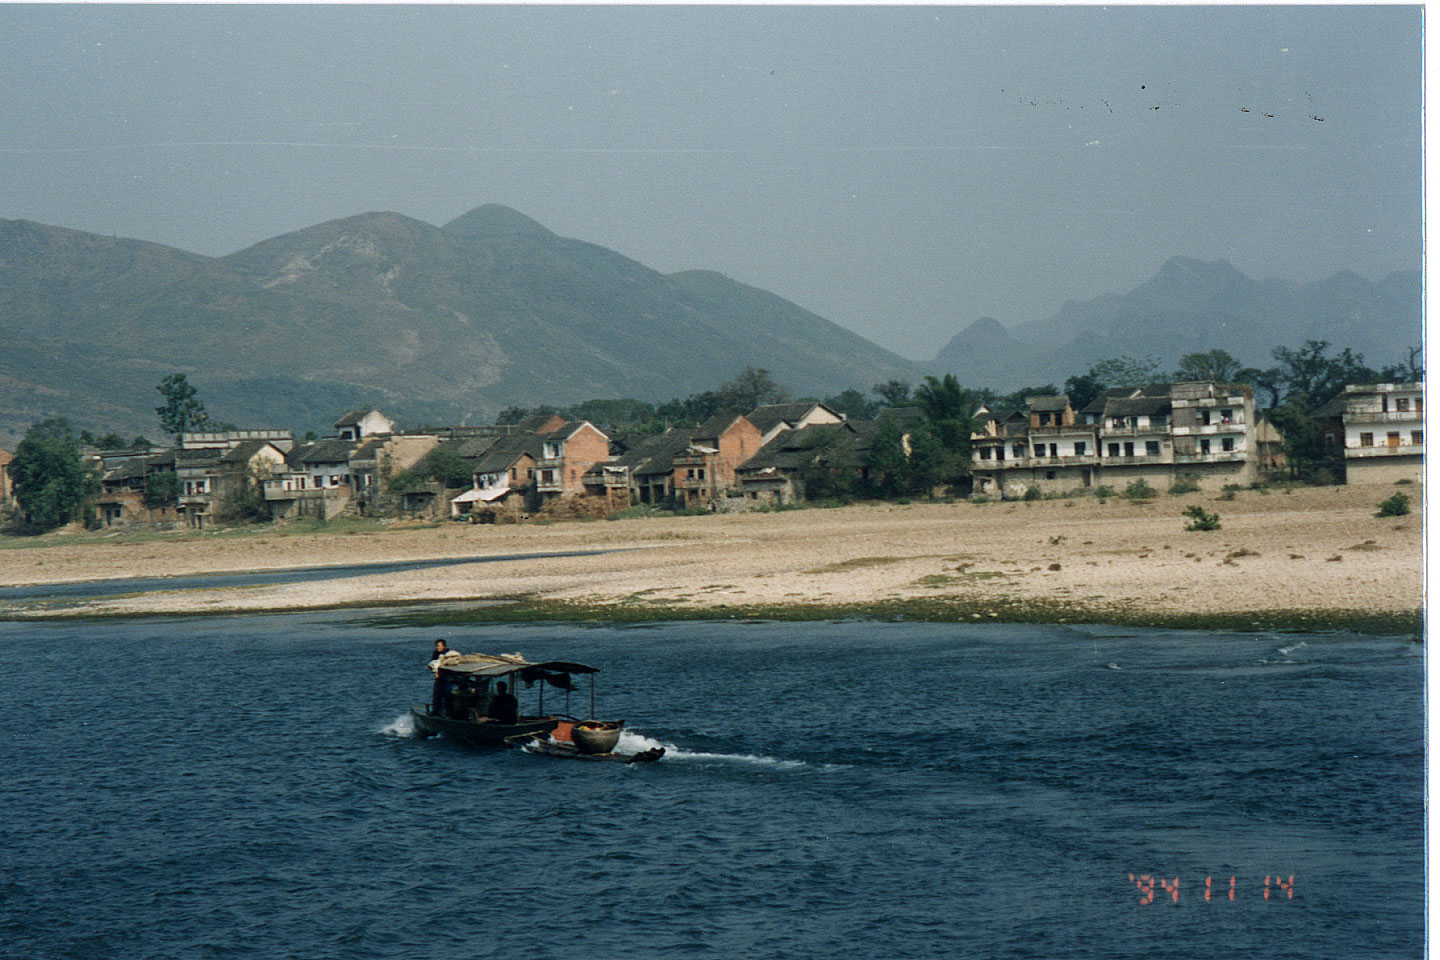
<point x="632" y="742"/>
<point x="401" y="726"/>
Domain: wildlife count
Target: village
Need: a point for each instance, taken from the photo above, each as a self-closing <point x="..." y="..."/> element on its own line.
<point x="1184" y="435"/>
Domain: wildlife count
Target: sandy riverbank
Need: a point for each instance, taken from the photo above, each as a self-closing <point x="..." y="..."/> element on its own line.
<point x="1320" y="549"/>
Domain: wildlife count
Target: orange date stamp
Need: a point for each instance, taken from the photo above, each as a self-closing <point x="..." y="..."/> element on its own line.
<point x="1280" y="886"/>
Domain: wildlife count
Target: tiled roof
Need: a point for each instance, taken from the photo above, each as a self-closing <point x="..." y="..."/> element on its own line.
<point x="771" y="415"/>
<point x="716" y="425"/>
<point x="326" y="451"/>
<point x="1048" y="404"/>
<point x="506" y="450"/>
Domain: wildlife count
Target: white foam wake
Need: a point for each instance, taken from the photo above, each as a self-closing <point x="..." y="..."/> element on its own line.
<point x="401" y="726"/>
<point x="1286" y="651"/>
<point x="632" y="742"/>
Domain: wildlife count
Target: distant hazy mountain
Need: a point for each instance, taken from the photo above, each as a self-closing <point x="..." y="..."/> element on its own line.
<point x="1191" y="305"/>
<point x="447" y="324"/>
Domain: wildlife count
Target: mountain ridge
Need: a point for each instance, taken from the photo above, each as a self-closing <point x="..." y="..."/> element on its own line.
<point x="1192" y="305"/>
<point x="442" y="324"/>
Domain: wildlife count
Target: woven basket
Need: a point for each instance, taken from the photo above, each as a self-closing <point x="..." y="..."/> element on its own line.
<point x="595" y="736"/>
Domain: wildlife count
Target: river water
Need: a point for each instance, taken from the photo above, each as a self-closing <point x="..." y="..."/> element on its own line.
<point x="250" y="788"/>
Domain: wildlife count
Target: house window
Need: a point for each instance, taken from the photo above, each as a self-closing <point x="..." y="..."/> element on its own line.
<point x="1419" y="405"/>
<point x="1129" y="448"/>
<point x="1204" y="444"/>
<point x="1417" y="437"/>
<point x="529" y="473"/>
<point x="1054" y="449"/>
<point x="1402" y="404"/>
<point x="984" y="453"/>
<point x="299" y="483"/>
<point x="702" y="473"/>
<point x="334" y="480"/>
<point x="1019" y="450"/>
<point x="1152" y="448"/>
<point x="1049" y="474"/>
<point x="1227" y="444"/>
<point x="1226" y="416"/>
<point x="1113" y="450"/>
<point x="1205" y="418"/>
<point x="513" y="472"/>
<point x="1079" y="448"/>
<point x="690" y="474"/>
<point x="1367" y="439"/>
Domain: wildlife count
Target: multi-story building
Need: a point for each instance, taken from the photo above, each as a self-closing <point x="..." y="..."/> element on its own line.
<point x="1160" y="434"/>
<point x="1384" y="426"/>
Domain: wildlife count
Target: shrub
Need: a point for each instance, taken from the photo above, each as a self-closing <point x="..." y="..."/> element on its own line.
<point x="1138" y="489"/>
<point x="1032" y="492"/>
<point x="1201" y="519"/>
<point x="979" y="498"/>
<point x="1104" y="492"/>
<point x="1184" y="485"/>
<point x="1403" y="481"/>
<point x="1227" y="495"/>
<point x="1396" y="506"/>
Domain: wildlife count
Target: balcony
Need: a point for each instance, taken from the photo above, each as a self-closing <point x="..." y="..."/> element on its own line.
<point x="1210" y="429"/>
<point x="1353" y="418"/>
<point x="1153" y="429"/>
<point x="1137" y="460"/>
<point x="1402" y="450"/>
<point x="1214" y="456"/>
<point x="1072" y="430"/>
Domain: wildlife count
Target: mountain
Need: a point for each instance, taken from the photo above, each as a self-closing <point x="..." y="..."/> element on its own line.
<point x="440" y="324"/>
<point x="1193" y="305"/>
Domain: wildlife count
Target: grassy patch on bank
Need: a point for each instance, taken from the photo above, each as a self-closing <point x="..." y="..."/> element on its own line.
<point x="921" y="610"/>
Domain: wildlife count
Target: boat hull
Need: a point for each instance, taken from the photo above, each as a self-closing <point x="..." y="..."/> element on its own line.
<point x="479" y="733"/>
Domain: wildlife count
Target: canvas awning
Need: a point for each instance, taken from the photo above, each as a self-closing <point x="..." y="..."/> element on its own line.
<point x="555" y="672"/>
<point x="483" y="495"/>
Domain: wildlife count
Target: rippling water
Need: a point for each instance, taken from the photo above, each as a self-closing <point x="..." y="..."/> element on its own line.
<point x="251" y="788"/>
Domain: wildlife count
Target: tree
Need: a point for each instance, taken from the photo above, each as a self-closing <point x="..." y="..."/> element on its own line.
<point x="1083" y="390"/>
<point x="162" y="489"/>
<point x="1409" y="370"/>
<point x="854" y="404"/>
<point x="447" y="467"/>
<point x="893" y="393"/>
<point x="1310" y="374"/>
<point x="182" y="410"/>
<point x="1127" y="371"/>
<point x="52" y="483"/>
<point x="831" y="468"/>
<point x="749" y="389"/>
<point x="942" y="399"/>
<point x="1216" y="365"/>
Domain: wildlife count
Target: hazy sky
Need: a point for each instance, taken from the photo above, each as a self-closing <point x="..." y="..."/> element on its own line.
<point x="899" y="170"/>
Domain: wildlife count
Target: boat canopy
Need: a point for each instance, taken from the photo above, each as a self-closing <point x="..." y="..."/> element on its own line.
<point x="497" y="665"/>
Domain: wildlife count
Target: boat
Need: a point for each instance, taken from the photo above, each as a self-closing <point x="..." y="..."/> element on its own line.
<point x="477" y="705"/>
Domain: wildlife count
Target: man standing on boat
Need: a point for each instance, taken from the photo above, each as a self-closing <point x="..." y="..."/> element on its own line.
<point x="437" y="692"/>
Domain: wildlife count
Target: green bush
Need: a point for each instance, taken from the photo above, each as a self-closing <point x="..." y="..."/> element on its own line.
<point x="1184" y="485"/>
<point x="1138" y="489"/>
<point x="979" y="498"/>
<point x="1403" y="481"/>
<point x="1032" y="492"/>
<point x="1104" y="492"/>
<point x="1396" y="506"/>
<point x="1201" y="519"/>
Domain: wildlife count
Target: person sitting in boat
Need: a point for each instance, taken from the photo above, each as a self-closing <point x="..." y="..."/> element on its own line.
<point x="504" y="708"/>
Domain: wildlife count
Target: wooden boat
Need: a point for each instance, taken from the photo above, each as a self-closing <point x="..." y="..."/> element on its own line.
<point x="473" y="708"/>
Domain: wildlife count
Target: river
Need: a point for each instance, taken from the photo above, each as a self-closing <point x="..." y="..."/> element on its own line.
<point x="250" y="788"/>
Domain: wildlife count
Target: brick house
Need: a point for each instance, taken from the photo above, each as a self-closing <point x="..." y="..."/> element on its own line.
<point x="705" y="469"/>
<point x="566" y="456"/>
